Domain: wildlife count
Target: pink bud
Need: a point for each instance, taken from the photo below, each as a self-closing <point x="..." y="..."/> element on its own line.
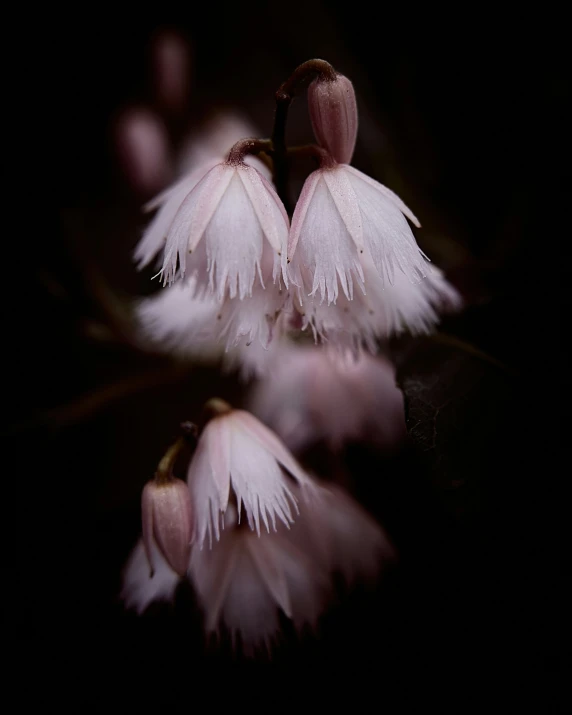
<point x="333" y="112"/>
<point x="167" y="520"/>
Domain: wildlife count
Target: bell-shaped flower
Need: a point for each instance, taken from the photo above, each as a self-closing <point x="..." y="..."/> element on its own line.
<point x="167" y="519"/>
<point x="333" y="112"/>
<point x="194" y="325"/>
<point x="202" y="152"/>
<point x="238" y="457"/>
<point x="221" y="229"/>
<point x="314" y="394"/>
<point x="342" y="217"/>
<point x="383" y="311"/>
<point x="245" y="583"/>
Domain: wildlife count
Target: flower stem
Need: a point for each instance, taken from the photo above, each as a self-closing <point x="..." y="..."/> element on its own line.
<point x="284" y="97"/>
<point x="164" y="472"/>
<point x="247" y="146"/>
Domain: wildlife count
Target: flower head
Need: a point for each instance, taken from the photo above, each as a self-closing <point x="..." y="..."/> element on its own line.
<point x="384" y="310"/>
<point x="245" y="582"/>
<point x="238" y="457"/>
<point x="314" y="394"/>
<point x="223" y="226"/>
<point x="341" y="217"/>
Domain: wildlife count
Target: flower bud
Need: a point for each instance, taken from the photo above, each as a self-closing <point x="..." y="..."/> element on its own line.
<point x="333" y="112"/>
<point x="167" y="521"/>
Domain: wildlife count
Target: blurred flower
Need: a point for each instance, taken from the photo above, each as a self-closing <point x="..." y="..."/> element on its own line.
<point x="383" y="311"/>
<point x="140" y="588"/>
<point x="245" y="583"/>
<point x="143" y="149"/>
<point x="313" y="394"/>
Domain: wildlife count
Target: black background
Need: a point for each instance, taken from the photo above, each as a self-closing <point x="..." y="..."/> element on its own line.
<point x="463" y="115"/>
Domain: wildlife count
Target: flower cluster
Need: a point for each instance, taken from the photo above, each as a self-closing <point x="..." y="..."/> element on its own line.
<point x="267" y="537"/>
<point x="346" y="269"/>
<point x="244" y="279"/>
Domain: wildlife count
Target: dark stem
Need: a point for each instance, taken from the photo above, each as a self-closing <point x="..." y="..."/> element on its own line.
<point x="247" y="146"/>
<point x="284" y="97"/>
<point x="324" y="159"/>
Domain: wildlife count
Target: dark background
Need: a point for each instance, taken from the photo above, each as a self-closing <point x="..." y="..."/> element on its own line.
<point x="464" y="116"/>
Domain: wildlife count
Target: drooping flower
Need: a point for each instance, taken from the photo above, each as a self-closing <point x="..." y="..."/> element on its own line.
<point x="333" y="112"/>
<point x="245" y="582"/>
<point x="142" y="146"/>
<point x="238" y="457"/>
<point x="313" y="394"/>
<point x="341" y="217"/>
<point x="223" y="226"/>
<point x="204" y="150"/>
<point x="194" y="325"/>
<point x="384" y="310"/>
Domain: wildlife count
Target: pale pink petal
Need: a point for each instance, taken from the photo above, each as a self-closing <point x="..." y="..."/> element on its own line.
<point x="347" y="204"/>
<point x="300" y="211"/>
<point x="192" y="219"/>
<point x="257" y="480"/>
<point x="209" y="483"/>
<point x="387" y="236"/>
<point x="271" y="572"/>
<point x="265" y="204"/>
<point x="266" y="438"/>
<point x="388" y="193"/>
<point x="326" y="249"/>
<point x="177" y="321"/>
<point x="234" y="240"/>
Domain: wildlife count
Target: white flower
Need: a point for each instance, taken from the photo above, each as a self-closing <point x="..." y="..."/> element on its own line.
<point x="341" y="217"/>
<point x="245" y="582"/>
<point x="191" y="324"/>
<point x="204" y="150"/>
<point x="384" y="310"/>
<point x="238" y="456"/>
<point x="227" y="219"/>
<point x="313" y="394"/>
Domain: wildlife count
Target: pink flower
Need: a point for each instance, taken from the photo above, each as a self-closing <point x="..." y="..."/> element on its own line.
<point x="202" y="152"/>
<point x="314" y="394"/>
<point x="384" y="310"/>
<point x="238" y="457"/>
<point x="341" y="217"/>
<point x="222" y="226"/>
<point x="245" y="582"/>
<point x="333" y="111"/>
<point x="177" y="320"/>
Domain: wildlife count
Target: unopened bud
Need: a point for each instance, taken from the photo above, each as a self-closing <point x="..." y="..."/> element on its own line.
<point x="168" y="521"/>
<point x="333" y="111"/>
